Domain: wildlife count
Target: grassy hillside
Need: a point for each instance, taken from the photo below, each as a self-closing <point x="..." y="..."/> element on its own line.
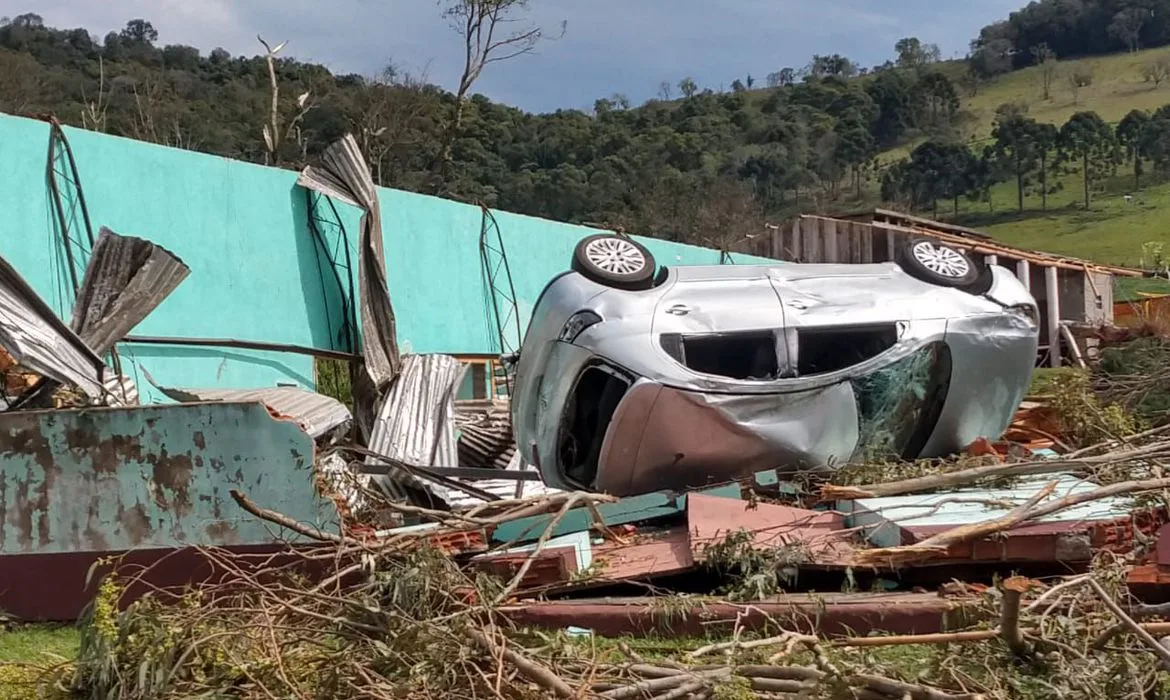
<point x="1118" y="87"/>
<point x="1114" y="229"/>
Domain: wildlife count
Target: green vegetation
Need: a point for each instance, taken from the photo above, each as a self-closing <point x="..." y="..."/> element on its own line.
<point x="1000" y="141"/>
<point x="27" y="656"/>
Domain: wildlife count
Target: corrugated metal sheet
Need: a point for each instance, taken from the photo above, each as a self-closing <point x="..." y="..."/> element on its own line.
<point x="345" y="176"/>
<point x="316" y="413"/>
<point x="125" y="280"/>
<point x="33" y="335"/>
<point x="485" y="434"/>
<point x="416" y="421"/>
<point x="503" y="488"/>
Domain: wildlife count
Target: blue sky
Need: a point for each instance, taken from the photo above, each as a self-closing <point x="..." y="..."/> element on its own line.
<point x="611" y="46"/>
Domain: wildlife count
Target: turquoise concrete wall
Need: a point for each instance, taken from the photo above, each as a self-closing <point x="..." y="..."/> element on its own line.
<point x="105" y="480"/>
<point x="255" y="269"/>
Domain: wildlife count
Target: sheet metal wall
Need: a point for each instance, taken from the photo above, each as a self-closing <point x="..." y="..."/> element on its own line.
<point x="255" y="272"/>
<point x="153" y="476"/>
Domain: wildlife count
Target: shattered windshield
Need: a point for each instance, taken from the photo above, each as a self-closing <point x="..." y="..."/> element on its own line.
<point x="898" y="405"/>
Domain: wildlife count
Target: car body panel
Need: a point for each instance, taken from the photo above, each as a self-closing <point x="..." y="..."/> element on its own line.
<point x="676" y="427"/>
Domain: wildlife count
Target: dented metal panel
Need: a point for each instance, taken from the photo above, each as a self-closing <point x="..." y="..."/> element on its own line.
<point x="344" y="175"/>
<point x="111" y="479"/>
<point x="316" y="413"/>
<point x="125" y="280"/>
<point x="33" y="335"/>
<point x="416" y="420"/>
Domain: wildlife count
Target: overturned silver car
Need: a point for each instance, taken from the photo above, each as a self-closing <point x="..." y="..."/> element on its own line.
<point x="633" y="379"/>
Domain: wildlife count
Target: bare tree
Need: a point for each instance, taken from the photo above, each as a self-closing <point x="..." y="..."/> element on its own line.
<point x="93" y="112"/>
<point x="485" y="28"/>
<point x="1127" y="26"/>
<point x="274" y="136"/>
<point x="1045" y="59"/>
<point x="1156" y="71"/>
<point x="1077" y="79"/>
<point x="389" y="120"/>
<point x="664" y="89"/>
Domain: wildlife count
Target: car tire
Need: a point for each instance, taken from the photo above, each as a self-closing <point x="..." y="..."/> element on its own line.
<point x="614" y="261"/>
<point x="938" y="263"/>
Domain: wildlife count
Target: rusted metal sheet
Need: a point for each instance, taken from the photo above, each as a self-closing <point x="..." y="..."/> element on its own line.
<point x="114" y="479"/>
<point x="125" y="280"/>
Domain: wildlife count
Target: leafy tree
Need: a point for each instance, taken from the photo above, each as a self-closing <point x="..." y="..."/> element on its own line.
<point x="937" y="98"/>
<point x="781" y="78"/>
<point x="855" y="145"/>
<point x="1132" y="134"/>
<point x="835" y="66"/>
<point x="1015" y="147"/>
<point x="893" y="94"/>
<point x="992" y="51"/>
<point x="138" y="31"/>
<point x="1046" y="141"/>
<point x="738" y="86"/>
<point x="1087" y="137"/>
<point x="688" y="87"/>
<point x="912" y="53"/>
<point x="934" y="171"/>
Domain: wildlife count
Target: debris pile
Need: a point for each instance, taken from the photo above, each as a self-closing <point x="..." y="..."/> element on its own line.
<point x="487" y="601"/>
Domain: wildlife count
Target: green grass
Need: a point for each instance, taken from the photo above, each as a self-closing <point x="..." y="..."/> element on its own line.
<point x="27" y="652"/>
<point x="38" y="644"/>
<point x="1118" y="87"/>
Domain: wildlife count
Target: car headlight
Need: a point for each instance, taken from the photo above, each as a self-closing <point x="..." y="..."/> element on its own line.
<point x="1026" y="311"/>
<point x="577" y="323"/>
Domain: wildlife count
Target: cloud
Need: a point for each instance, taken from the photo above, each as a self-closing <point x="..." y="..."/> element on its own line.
<point x="611" y="46"/>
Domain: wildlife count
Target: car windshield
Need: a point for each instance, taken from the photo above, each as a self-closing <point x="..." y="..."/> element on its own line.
<point x="899" y="404"/>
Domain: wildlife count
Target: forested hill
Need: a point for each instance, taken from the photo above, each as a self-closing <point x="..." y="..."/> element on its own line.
<point x="696" y="164"/>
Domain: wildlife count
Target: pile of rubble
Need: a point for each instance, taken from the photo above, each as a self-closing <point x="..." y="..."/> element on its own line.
<point x="758" y="588"/>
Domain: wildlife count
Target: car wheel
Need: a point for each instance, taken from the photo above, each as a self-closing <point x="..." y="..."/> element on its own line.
<point x="939" y="263"/>
<point x="615" y="261"/>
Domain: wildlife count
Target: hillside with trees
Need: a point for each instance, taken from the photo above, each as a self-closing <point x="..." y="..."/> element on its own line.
<point x="694" y="164"/>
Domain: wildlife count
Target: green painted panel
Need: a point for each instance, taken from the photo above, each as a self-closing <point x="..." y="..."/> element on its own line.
<point x="151" y="476"/>
<point x="651" y="506"/>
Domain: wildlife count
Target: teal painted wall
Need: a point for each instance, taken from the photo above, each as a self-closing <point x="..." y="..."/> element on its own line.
<point x="102" y="480"/>
<point x="255" y="269"/>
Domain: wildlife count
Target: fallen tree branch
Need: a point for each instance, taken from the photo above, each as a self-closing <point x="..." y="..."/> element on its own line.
<point x="532" y="670"/>
<point x="965" y="477"/>
<point x="943" y="541"/>
<point x="1031" y="510"/>
<point x="1128" y="621"/>
<point x="286" y="522"/>
<point x="902" y="689"/>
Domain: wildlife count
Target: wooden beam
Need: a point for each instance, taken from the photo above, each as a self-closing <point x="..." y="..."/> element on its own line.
<point x="1052" y="288"/>
<point x="891" y="243"/>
